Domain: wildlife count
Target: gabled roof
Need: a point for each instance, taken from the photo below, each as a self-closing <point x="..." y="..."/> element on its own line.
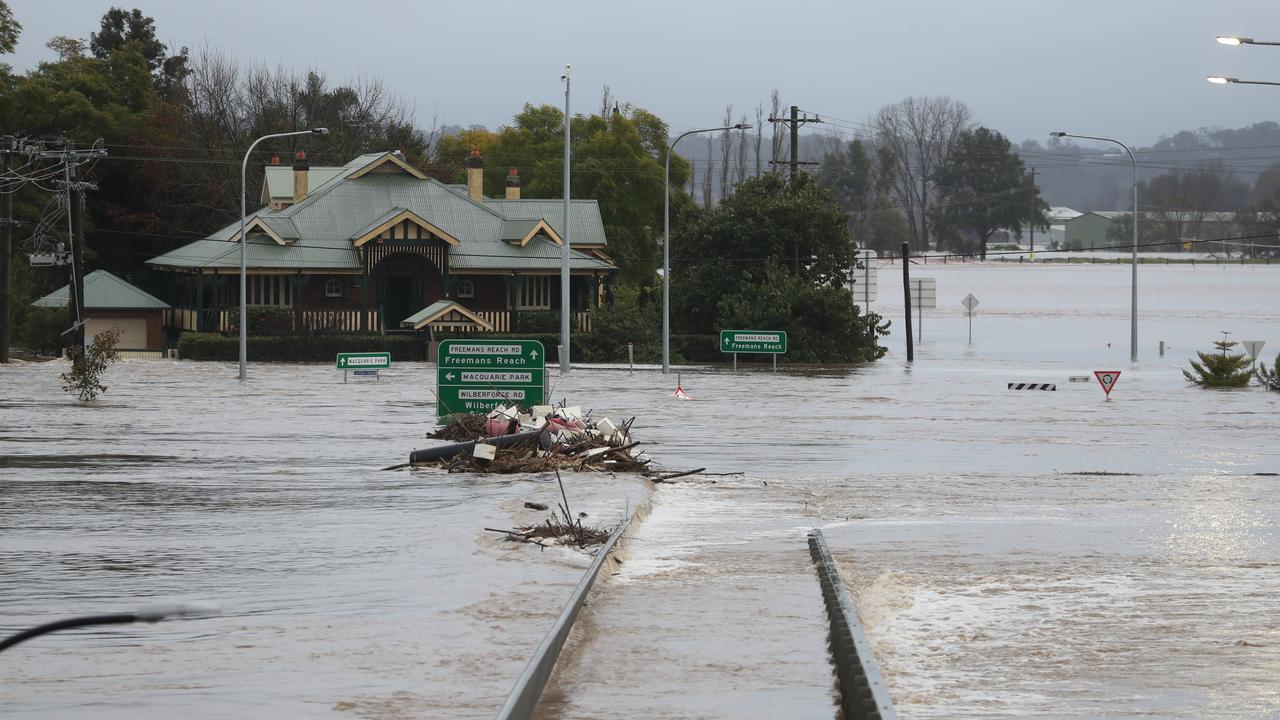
<point x="521" y="232"/>
<point x="445" y="314"/>
<point x="321" y="232"/>
<point x="104" y="291"/>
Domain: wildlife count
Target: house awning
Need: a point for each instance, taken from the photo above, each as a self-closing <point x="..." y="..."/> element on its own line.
<point x="445" y="315"/>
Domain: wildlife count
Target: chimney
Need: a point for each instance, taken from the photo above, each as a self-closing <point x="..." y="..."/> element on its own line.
<point x="275" y="158"/>
<point x="300" y="168"/>
<point x="475" y="176"/>
<point x="513" y="185"/>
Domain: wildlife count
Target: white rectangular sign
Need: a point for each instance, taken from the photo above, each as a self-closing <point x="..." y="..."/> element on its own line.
<point x="484" y="349"/>
<point x="924" y="293"/>
<point x="495" y="376"/>
<point x="512" y="394"/>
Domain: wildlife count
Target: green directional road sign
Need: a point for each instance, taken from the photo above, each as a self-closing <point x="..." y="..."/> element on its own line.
<point x="772" y="342"/>
<point x="479" y="375"/>
<point x="364" y="361"/>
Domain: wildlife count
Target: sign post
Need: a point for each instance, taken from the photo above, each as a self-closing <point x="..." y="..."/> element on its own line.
<point x="364" y="364"/>
<point x="479" y="375"/>
<point x="925" y="291"/>
<point x="1107" y="379"/>
<point x="970" y="302"/>
<point x="771" y="342"/>
<point x="1253" y="347"/>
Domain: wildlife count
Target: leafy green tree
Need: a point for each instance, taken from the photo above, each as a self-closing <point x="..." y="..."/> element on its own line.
<point x="863" y="185"/>
<point x="734" y="267"/>
<point x="983" y="187"/>
<point x="617" y="160"/>
<point x="1270" y="378"/>
<point x="84" y="379"/>
<point x="1220" y="369"/>
<point x="10" y="29"/>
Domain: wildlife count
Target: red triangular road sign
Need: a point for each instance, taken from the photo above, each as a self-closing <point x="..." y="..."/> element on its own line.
<point x="1107" y="379"/>
<point x="681" y="394"/>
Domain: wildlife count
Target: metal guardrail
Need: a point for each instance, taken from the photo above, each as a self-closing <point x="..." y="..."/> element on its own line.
<point x="863" y="693"/>
<point x="528" y="689"/>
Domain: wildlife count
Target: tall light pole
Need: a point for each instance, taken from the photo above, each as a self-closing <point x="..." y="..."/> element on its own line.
<point x="1236" y="40"/>
<point x="564" y="230"/>
<point x="1133" y="312"/>
<point x="244" y="167"/>
<point x="666" y="240"/>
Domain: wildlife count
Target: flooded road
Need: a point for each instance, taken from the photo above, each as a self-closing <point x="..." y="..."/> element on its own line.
<point x="1002" y="564"/>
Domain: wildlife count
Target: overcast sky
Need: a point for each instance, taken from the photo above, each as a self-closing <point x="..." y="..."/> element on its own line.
<point x="1131" y="69"/>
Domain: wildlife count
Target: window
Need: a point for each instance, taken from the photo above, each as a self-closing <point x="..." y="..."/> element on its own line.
<point x="535" y="293"/>
<point x="333" y="288"/>
<point x="465" y="289"/>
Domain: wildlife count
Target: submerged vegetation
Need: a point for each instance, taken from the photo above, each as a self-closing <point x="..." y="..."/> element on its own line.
<point x="1220" y="369"/>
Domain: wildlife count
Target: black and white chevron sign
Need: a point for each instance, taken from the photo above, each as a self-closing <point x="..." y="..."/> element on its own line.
<point x="1032" y="386"/>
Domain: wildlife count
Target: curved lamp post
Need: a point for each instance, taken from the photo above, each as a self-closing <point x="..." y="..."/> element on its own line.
<point x="1133" y="312"/>
<point x="1236" y="40"/>
<point x="666" y="240"/>
<point x="244" y="335"/>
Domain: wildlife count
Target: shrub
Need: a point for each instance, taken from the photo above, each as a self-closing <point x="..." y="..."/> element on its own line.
<point x="1220" y="370"/>
<point x="41" y="331"/>
<point x="300" y="348"/>
<point x="1270" y="379"/>
<point x="87" y="366"/>
<point x="538" y="321"/>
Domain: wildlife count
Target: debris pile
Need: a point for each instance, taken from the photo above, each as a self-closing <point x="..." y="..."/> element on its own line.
<point x="560" y="529"/>
<point x="546" y="438"/>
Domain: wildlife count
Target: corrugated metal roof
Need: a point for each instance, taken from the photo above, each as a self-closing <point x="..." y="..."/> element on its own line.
<point x="584" y="217"/>
<point x="440" y="308"/>
<point x="326" y="220"/>
<point x="104" y="291"/>
<point x="517" y="230"/>
<point x="279" y="180"/>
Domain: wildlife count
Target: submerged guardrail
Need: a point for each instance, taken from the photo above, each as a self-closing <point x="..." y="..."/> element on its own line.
<point x="528" y="689"/>
<point x="863" y="693"/>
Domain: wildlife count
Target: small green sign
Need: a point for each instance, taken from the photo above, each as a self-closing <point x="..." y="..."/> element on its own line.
<point x="772" y="342"/>
<point x="364" y="361"/>
<point x="479" y="375"/>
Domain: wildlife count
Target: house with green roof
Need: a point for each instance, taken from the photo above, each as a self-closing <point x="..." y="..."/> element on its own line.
<point x="110" y="302"/>
<point x="369" y="245"/>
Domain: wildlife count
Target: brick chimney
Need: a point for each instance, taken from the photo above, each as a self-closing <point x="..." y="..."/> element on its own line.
<point x="513" y="185"/>
<point x="300" y="168"/>
<point x="475" y="176"/>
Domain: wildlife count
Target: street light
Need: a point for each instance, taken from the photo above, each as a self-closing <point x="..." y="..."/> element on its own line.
<point x="1133" y="312"/>
<point x="666" y="240"/>
<point x="244" y="335"/>
<point x="565" y="313"/>
<point x="1235" y="40"/>
<point x="1219" y="80"/>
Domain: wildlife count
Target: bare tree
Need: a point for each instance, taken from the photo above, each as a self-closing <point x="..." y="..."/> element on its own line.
<point x="778" y="139"/>
<point x="726" y="152"/>
<point x="759" y="140"/>
<point x="920" y="131"/>
<point x="606" y="100"/>
<point x="706" y="176"/>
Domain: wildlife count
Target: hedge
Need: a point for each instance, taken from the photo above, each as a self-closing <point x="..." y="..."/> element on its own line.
<point x="299" y="348"/>
<point x="324" y="347"/>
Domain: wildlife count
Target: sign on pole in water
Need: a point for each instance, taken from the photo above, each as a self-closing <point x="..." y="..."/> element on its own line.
<point x="753" y="341"/>
<point x="479" y="375"/>
<point x="364" y="361"/>
<point x="970" y="302"/>
<point x="1253" y="347"/>
<point x="1107" y="379"/>
<point x="924" y="294"/>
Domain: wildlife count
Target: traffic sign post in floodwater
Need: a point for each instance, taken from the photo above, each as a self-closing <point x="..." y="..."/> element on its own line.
<point x="1107" y="379"/>
<point x="364" y="364"/>
<point x="771" y="342"/>
<point x="479" y="375"/>
<point x="970" y="302"/>
<point x="924" y="294"/>
<point x="1253" y="347"/>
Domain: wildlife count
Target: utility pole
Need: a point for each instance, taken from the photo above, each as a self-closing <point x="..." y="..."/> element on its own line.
<point x="6" y="250"/>
<point x="1033" y="212"/>
<point x="795" y="121"/>
<point x="906" y="292"/>
<point x="75" y="306"/>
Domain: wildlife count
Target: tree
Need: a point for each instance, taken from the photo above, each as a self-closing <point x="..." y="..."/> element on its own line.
<point x="734" y="267"/>
<point x="618" y="160"/>
<point x="84" y="379"/>
<point x="1220" y="370"/>
<point x="920" y="132"/>
<point x="1270" y="378"/>
<point x="862" y="185"/>
<point x="10" y="29"/>
<point x="1182" y="204"/>
<point x="983" y="187"/>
